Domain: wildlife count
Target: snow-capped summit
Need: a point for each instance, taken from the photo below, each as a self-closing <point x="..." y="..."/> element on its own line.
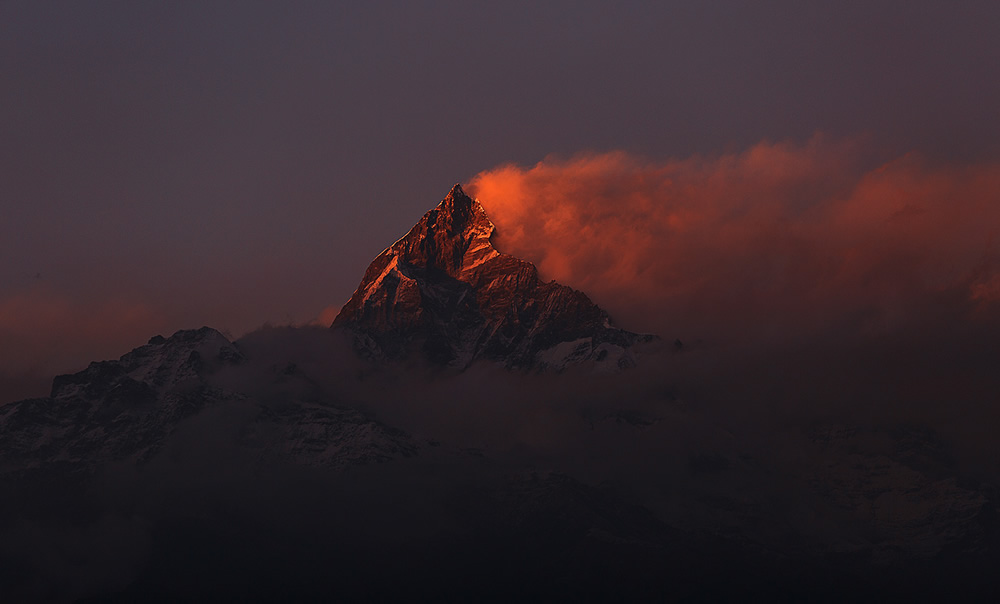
<point x="443" y="289"/>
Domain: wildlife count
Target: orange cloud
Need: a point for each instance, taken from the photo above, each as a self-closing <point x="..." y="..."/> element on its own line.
<point x="780" y="238"/>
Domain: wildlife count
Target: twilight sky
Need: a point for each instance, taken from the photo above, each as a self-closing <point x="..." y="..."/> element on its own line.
<point x="232" y="163"/>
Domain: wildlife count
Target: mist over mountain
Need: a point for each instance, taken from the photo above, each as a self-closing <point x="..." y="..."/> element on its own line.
<point x="466" y="429"/>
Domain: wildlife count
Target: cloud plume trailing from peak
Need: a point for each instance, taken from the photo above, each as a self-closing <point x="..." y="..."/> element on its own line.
<point x="778" y="241"/>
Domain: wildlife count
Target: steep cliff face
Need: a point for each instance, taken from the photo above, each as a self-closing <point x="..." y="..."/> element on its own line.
<point x="445" y="291"/>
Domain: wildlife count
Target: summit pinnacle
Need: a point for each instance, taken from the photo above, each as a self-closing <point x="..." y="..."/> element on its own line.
<point x="444" y="291"/>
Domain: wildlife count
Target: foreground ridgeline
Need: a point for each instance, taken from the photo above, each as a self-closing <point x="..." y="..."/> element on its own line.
<point x="444" y="291"/>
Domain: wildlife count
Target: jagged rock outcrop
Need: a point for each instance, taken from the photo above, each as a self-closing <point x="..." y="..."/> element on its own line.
<point x="118" y="409"/>
<point x="445" y="291"/>
<point x="128" y="408"/>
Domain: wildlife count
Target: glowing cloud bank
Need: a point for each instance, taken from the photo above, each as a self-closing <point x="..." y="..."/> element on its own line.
<point x="780" y="240"/>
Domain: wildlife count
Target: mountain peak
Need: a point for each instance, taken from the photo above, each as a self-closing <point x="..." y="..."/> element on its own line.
<point x="444" y="287"/>
<point x="456" y="191"/>
<point x="454" y="238"/>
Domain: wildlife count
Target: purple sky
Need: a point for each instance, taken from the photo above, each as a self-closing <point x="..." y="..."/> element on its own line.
<point x="165" y="167"/>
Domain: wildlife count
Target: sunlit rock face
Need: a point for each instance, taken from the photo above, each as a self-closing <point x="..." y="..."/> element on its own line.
<point x="445" y="292"/>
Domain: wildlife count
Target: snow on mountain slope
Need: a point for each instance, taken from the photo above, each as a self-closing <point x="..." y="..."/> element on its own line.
<point x="127" y="409"/>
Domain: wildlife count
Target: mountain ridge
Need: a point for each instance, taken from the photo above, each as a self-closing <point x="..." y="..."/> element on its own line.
<point x="445" y="290"/>
<point x="128" y="408"/>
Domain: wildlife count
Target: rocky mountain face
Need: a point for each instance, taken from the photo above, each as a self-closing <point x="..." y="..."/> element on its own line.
<point x="443" y="290"/>
<point x="127" y="409"/>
